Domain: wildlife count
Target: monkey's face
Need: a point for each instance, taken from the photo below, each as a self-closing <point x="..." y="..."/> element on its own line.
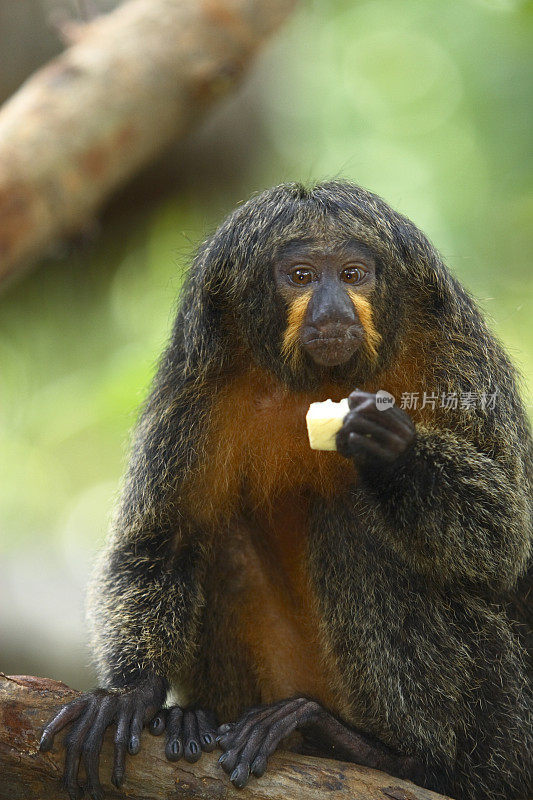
<point x="326" y="287"/>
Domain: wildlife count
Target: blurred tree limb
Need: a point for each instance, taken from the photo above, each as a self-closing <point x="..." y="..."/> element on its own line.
<point x="27" y="703"/>
<point x="132" y="82"/>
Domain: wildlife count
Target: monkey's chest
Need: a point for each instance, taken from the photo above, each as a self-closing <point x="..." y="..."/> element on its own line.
<point x="256" y="482"/>
<point x="280" y="624"/>
<point x="257" y="444"/>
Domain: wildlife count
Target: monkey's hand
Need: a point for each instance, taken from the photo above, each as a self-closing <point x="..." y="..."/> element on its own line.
<point x="189" y="732"/>
<point x="370" y="435"/>
<point x="250" y="742"/>
<point x="90" y="714"/>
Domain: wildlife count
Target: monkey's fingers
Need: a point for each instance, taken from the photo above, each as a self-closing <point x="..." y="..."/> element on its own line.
<point x="93" y="744"/>
<point x="375" y="437"/>
<point x="365" y="447"/>
<point x="191" y="737"/>
<point x="396" y="419"/>
<point x="68" y="714"/>
<point x="157" y="725"/>
<point x="132" y="715"/>
<point x="198" y="733"/>
<point x="227" y="727"/>
<point x="245" y="737"/>
<point x="379" y="433"/>
<point x="357" y="397"/>
<point x="399" y="421"/>
<point x="392" y="444"/>
<point x="230" y="731"/>
<point x="122" y="734"/>
<point x="207" y="730"/>
<point x="360" y="447"/>
<point x="136" y="726"/>
<point x="189" y="733"/>
<point x="73" y="744"/>
<point x="259" y="756"/>
<point x="363" y="401"/>
<point x="252" y="747"/>
<point x="174" y="745"/>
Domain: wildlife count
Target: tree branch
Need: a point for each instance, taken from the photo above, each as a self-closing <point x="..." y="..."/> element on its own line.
<point x="27" y="703"/>
<point x="133" y="81"/>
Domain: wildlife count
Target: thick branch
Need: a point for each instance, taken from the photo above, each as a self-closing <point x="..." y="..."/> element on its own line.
<point x="134" y="81"/>
<point x="26" y="703"/>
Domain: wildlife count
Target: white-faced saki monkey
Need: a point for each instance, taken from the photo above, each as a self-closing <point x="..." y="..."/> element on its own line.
<point x="374" y="599"/>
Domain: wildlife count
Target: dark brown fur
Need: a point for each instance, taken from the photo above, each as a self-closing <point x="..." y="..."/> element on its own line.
<point x="245" y="567"/>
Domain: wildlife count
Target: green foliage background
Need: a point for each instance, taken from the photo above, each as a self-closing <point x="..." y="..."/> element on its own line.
<point x="425" y="102"/>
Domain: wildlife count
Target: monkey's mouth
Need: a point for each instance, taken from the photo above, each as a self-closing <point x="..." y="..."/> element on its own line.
<point x="330" y="351"/>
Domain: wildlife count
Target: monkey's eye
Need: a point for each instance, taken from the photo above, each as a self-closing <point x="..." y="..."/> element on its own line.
<point x="353" y="275"/>
<point x="301" y="276"/>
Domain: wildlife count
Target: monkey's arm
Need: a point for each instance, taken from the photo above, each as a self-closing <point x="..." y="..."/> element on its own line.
<point x="429" y="481"/>
<point x="145" y="598"/>
<point x="145" y="601"/>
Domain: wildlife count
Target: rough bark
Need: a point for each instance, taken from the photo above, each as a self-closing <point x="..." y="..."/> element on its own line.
<point x="133" y="81"/>
<point x="27" y="703"/>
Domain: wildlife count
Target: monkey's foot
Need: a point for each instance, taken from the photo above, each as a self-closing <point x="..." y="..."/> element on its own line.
<point x="90" y="714"/>
<point x="250" y="742"/>
<point x="189" y="732"/>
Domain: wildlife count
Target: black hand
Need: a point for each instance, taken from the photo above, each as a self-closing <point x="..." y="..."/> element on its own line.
<point x="370" y="435"/>
<point x="90" y="715"/>
<point x="189" y="732"/>
<point x="250" y="742"/>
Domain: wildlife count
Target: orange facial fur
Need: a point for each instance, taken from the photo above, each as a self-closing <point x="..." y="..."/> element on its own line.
<point x="290" y="349"/>
<point x="291" y="339"/>
<point x="364" y="311"/>
<point x="412" y="372"/>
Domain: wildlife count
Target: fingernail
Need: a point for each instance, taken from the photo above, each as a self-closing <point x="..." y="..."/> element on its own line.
<point x="239" y="776"/>
<point x="258" y="767"/>
<point x="175" y="747"/>
<point x="193" y="747"/>
<point x="117" y="779"/>
<point x="222" y="758"/>
<point x="208" y="739"/>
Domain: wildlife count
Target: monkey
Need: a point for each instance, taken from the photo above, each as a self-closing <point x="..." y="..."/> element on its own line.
<point x="353" y="604"/>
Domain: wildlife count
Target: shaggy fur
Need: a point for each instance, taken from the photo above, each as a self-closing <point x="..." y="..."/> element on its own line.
<point x="396" y="585"/>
